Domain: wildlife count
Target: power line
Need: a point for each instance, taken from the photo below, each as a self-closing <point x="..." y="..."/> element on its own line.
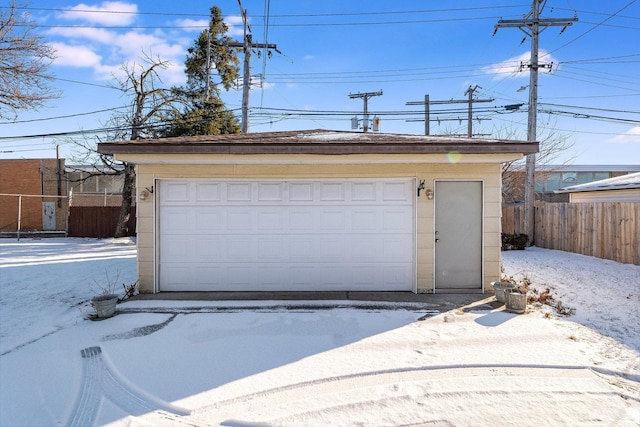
<point x="592" y="108"/>
<point x="597" y="60"/>
<point x="64" y="117"/>
<point x="309" y="24"/>
<point x="362" y="13"/>
<point x="448" y="114"/>
<point x="592" y="28"/>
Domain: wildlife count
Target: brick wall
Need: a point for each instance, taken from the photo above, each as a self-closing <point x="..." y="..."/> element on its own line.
<point x="31" y="177"/>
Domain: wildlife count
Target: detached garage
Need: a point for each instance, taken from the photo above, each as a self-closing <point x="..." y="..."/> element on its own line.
<point x="318" y="210"/>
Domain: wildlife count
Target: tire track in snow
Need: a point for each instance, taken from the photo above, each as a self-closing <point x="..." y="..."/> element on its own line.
<point x="58" y="329"/>
<point x="315" y="401"/>
<point x="99" y="381"/>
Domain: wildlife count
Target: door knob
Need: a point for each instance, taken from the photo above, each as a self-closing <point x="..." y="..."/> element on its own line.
<point x="437" y="240"/>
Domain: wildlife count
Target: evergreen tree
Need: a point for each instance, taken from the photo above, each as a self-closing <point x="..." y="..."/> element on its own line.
<point x="203" y="111"/>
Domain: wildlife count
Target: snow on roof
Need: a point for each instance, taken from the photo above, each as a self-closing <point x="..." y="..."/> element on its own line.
<point x="582" y="168"/>
<point x="623" y="182"/>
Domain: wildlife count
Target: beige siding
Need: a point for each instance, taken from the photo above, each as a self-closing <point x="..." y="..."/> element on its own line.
<point x="627" y="195"/>
<point x="487" y="169"/>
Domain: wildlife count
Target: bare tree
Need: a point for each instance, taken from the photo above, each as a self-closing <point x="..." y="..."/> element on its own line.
<point x="24" y="61"/>
<point x="149" y="103"/>
<point x="552" y="145"/>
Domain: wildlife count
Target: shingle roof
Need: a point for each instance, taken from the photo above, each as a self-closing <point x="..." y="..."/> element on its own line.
<point x="622" y="182"/>
<point x="316" y="142"/>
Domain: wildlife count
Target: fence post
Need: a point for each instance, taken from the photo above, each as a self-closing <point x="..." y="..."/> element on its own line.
<point x="19" y="214"/>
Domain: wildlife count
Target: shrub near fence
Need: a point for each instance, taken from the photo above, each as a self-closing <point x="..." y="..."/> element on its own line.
<point x="600" y="229"/>
<point x="97" y="221"/>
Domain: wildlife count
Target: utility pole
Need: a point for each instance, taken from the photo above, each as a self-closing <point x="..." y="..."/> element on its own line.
<point x="469" y="92"/>
<point x="427" y="112"/>
<point x="365" y="96"/>
<point x="247" y="45"/>
<point x="470" y="100"/>
<point x="532" y="25"/>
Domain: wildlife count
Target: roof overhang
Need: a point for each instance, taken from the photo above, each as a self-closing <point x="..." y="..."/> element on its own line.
<point x="316" y="142"/>
<point x="602" y="188"/>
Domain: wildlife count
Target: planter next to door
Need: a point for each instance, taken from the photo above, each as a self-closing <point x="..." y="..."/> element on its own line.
<point x="105" y="305"/>
<point x="515" y="301"/>
<point x="500" y="288"/>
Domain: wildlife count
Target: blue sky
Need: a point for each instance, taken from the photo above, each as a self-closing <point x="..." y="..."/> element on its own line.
<point x="330" y="49"/>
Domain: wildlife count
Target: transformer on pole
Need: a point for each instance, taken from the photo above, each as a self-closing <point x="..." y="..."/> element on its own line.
<point x="365" y="119"/>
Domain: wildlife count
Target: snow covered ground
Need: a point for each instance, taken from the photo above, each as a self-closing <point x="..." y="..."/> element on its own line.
<point x="208" y="363"/>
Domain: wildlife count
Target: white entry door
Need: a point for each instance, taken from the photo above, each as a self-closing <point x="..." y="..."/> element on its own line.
<point x="458" y="235"/>
<point x="286" y="235"/>
<point x="48" y="216"/>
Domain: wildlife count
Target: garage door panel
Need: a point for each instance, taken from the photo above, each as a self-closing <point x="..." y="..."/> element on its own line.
<point x="208" y="250"/>
<point x="208" y="220"/>
<point x="301" y="248"/>
<point x="208" y="192"/>
<point x="332" y="219"/>
<point x="286" y="235"/>
<point x="270" y="192"/>
<point x="238" y="192"/>
<point x="366" y="248"/>
<point x="271" y="219"/>
<point x="365" y="219"/>
<point x="175" y="192"/>
<point x="331" y="277"/>
<point x="395" y="276"/>
<point x="363" y="192"/>
<point x="269" y="277"/>
<point x="397" y="191"/>
<point x="395" y="249"/>
<point x="301" y="276"/>
<point x="211" y="276"/>
<point x="271" y="249"/>
<point x="300" y="219"/>
<point x="176" y="220"/>
<point x="397" y="220"/>
<point x="238" y="248"/>
<point x="178" y="278"/>
<point x="239" y="219"/>
<point x="239" y="277"/>
<point x="330" y="248"/>
<point x="178" y="248"/>
<point x="300" y="191"/>
<point x="332" y="192"/>
<point x="363" y="277"/>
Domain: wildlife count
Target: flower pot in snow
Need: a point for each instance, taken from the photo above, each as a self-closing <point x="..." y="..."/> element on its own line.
<point x="500" y="287"/>
<point x="515" y="301"/>
<point x="105" y="305"/>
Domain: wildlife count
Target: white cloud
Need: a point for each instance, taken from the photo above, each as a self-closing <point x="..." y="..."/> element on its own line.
<point x="99" y="35"/>
<point x="75" y="56"/>
<point x="632" y="136"/>
<point x="236" y="27"/>
<point x="133" y="43"/>
<point x="108" y="13"/>
<point x="104" y="50"/>
<point x="517" y="66"/>
<point x="192" y="24"/>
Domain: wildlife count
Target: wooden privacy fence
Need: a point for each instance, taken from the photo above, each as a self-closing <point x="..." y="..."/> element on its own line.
<point x="97" y="221"/>
<point x="513" y="219"/>
<point x="601" y="229"/>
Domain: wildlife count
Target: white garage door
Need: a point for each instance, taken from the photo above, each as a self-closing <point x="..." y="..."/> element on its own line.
<point x="286" y="235"/>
